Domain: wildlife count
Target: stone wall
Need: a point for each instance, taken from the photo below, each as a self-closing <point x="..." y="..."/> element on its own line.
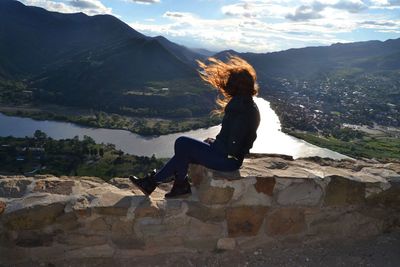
<point x="271" y="198"/>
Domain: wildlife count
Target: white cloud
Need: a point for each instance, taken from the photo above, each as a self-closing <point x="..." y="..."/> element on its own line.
<point x="90" y="7"/>
<point x="304" y="13"/>
<point x="270" y="25"/>
<point x="387" y="26"/>
<point x="258" y="9"/>
<point x="257" y="25"/>
<point x="237" y="33"/>
<point x="386" y="3"/>
<point x="146" y="2"/>
<point x="178" y="15"/>
<point x="313" y="10"/>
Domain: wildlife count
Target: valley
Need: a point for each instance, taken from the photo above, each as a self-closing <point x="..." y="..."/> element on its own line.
<point x="112" y="76"/>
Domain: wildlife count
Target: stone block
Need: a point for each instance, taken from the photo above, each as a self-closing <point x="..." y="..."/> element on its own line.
<point x="226" y="243"/>
<point x="197" y="173"/>
<point x="245" y="221"/>
<point x="98" y="251"/>
<point x="197" y="229"/>
<point x="98" y="225"/>
<point x="34" y="217"/>
<point x="159" y="243"/>
<point x="285" y="221"/>
<point x="81" y="239"/>
<point x="393" y="166"/>
<point x="246" y="195"/>
<point x="201" y="244"/>
<point x="3" y="206"/>
<point x="13" y="188"/>
<point x="265" y="185"/>
<point x="204" y="213"/>
<point x="54" y="186"/>
<point x="127" y="242"/>
<point x="210" y="195"/>
<point x="302" y="193"/>
<point x="342" y="191"/>
<point x="121" y="183"/>
<point x="345" y="224"/>
<point x="122" y="227"/>
<point x="116" y="206"/>
<point x="387" y="174"/>
<point x="30" y="239"/>
<point x="123" y="236"/>
<point x="67" y="221"/>
<point x="148" y="208"/>
<point x="389" y="197"/>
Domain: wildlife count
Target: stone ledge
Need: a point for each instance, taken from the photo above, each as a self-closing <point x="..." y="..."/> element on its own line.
<point x="270" y="198"/>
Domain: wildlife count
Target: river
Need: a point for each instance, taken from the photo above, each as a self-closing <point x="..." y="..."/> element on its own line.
<point x="270" y="138"/>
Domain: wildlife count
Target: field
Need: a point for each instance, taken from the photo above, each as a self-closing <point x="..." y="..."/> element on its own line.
<point x="383" y="148"/>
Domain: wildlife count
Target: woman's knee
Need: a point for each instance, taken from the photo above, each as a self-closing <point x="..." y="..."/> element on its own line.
<point x="181" y="143"/>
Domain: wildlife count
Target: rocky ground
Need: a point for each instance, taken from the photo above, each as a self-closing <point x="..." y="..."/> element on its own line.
<point x="382" y="250"/>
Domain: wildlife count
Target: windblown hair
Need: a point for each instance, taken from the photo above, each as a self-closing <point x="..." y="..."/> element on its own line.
<point x="235" y="77"/>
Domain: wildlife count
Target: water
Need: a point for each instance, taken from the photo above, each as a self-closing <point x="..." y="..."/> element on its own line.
<point x="270" y="139"/>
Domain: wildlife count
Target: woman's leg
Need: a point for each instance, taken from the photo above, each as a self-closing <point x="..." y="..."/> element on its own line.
<point x="189" y="150"/>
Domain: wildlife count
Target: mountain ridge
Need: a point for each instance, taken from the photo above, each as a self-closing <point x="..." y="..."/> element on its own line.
<point x="95" y="61"/>
<point x="100" y="62"/>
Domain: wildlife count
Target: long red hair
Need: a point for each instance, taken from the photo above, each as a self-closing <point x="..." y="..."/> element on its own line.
<point x="235" y="77"/>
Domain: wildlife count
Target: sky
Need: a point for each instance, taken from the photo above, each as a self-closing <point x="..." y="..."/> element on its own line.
<point x="248" y="25"/>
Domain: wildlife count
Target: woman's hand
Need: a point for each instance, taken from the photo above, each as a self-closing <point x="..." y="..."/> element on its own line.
<point x="209" y="140"/>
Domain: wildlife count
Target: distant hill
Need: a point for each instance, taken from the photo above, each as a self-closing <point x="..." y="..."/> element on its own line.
<point x="95" y="61"/>
<point x="311" y="61"/>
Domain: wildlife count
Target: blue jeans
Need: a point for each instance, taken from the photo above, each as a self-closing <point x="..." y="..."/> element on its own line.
<point x="189" y="150"/>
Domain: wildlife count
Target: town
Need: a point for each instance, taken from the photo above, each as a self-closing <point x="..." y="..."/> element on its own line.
<point x="326" y="105"/>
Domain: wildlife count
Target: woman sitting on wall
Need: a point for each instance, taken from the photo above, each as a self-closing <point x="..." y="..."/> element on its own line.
<point x="236" y="83"/>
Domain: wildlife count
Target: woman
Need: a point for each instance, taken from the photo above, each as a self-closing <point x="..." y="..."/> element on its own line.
<point x="236" y="85"/>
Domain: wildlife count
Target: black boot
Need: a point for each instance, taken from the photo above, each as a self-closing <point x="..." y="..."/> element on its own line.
<point x="179" y="189"/>
<point x="147" y="184"/>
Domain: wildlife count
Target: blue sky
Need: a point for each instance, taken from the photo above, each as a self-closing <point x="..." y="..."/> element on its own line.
<point x="248" y="25"/>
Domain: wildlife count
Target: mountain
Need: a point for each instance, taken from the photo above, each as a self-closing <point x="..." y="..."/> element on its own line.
<point x="186" y="55"/>
<point x="311" y="61"/>
<point x="32" y="37"/>
<point x="96" y="61"/>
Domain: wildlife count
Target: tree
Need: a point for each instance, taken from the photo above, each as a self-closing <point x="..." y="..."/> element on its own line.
<point x="39" y="135"/>
<point x="101" y="152"/>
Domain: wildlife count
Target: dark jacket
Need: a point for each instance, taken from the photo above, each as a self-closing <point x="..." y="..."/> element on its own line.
<point x="239" y="127"/>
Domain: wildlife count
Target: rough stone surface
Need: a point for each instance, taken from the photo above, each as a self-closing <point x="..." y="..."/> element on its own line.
<point x="340" y="224"/>
<point x="285" y="221"/>
<point x="270" y="199"/>
<point x="3" y="206"/>
<point x="265" y="185"/>
<point x="122" y="183"/>
<point x="226" y="244"/>
<point x="31" y="239"/>
<point x="244" y="221"/>
<point x="33" y="217"/>
<point x="197" y="173"/>
<point x="148" y="208"/>
<point x="215" y="195"/>
<point x="204" y="213"/>
<point x="305" y="193"/>
<point x="342" y="191"/>
<point x="54" y="187"/>
<point x="13" y="188"/>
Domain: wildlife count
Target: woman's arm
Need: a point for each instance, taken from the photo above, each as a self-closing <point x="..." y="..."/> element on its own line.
<point x="238" y="133"/>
